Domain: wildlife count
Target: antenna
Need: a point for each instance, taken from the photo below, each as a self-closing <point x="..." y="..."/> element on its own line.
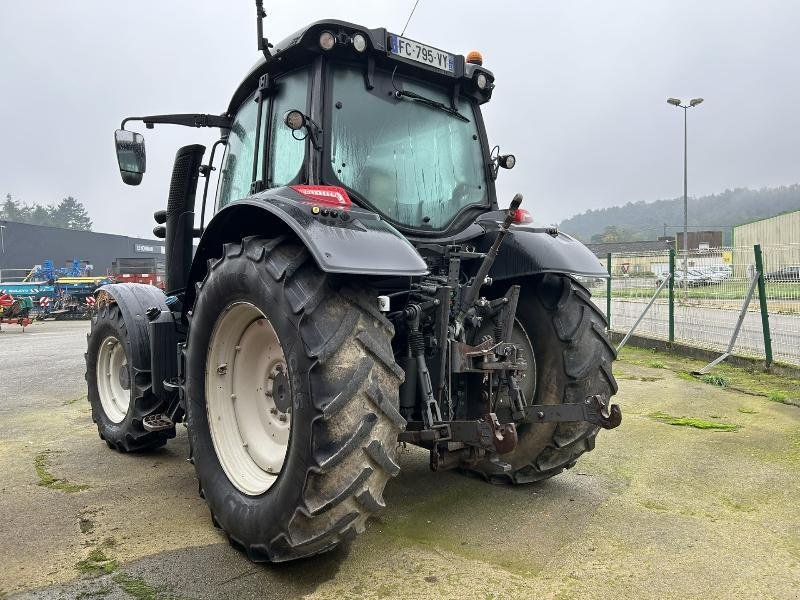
<point x="263" y="44"/>
<point x="409" y="18"/>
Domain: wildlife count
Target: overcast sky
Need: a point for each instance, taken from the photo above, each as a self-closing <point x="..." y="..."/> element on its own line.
<point x="580" y="98"/>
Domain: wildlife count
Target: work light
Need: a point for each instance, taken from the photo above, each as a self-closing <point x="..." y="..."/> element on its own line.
<point x="359" y="42"/>
<point x="327" y="40"/>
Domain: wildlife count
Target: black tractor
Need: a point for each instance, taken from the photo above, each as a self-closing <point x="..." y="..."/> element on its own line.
<point x="357" y="289"/>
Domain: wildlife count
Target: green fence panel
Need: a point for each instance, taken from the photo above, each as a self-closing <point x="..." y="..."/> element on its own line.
<point x="608" y="291"/>
<point x="762" y="301"/>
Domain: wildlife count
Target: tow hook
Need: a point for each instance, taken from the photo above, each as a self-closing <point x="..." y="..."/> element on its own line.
<point x="609" y="415"/>
<point x="502" y="437"/>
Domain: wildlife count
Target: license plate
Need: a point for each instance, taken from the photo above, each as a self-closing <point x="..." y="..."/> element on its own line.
<point x="411" y="50"/>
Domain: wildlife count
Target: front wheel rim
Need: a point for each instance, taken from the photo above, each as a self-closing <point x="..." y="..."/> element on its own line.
<point x="113" y="379"/>
<point x="248" y="398"/>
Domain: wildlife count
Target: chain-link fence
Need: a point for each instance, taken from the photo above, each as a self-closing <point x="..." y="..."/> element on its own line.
<point x="702" y="303"/>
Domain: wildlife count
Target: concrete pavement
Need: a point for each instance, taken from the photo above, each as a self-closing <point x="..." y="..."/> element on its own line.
<point x="656" y="511"/>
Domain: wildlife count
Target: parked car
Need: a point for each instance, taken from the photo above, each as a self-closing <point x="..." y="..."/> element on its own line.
<point x="693" y="278"/>
<point x="699" y="277"/>
<point x="714" y="275"/>
<point x="718" y="272"/>
<point x="790" y="273"/>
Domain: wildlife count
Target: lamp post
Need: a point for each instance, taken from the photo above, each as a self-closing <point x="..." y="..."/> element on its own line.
<point x="692" y="103"/>
<point x="3" y="247"/>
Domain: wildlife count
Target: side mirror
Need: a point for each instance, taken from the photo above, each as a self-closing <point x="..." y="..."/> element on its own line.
<point x="130" y="155"/>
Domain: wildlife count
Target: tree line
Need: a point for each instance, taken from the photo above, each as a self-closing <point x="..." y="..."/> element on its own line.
<point x="642" y="220"/>
<point x="69" y="213"/>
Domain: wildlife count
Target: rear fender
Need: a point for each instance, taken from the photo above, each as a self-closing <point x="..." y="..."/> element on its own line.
<point x="531" y="250"/>
<point x="359" y="243"/>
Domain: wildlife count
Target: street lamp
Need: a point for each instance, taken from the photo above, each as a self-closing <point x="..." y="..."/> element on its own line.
<point x="692" y="103"/>
<point x="3" y="247"/>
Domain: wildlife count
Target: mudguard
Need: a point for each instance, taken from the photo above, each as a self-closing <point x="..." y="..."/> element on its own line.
<point x="355" y="241"/>
<point x="133" y="300"/>
<point x="531" y="250"/>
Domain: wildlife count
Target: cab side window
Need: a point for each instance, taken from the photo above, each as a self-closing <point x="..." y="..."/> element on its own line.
<point x="286" y="153"/>
<point x="237" y="168"/>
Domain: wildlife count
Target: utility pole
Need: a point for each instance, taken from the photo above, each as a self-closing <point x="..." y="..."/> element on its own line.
<point x="692" y="103"/>
<point x="3" y="247"/>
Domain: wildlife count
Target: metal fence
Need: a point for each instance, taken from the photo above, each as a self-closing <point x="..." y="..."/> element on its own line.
<point x="704" y="296"/>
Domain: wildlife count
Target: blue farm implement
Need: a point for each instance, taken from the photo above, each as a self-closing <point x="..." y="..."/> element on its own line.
<point x="65" y="297"/>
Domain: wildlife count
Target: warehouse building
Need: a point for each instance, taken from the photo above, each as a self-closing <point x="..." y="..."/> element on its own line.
<point x="780" y="230"/>
<point x="23" y="246"/>
<point x="778" y="236"/>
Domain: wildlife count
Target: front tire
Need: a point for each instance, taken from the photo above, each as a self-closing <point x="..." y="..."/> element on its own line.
<point x="317" y="487"/>
<point x="120" y="394"/>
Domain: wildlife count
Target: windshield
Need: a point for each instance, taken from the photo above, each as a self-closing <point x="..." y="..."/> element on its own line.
<point x="415" y="163"/>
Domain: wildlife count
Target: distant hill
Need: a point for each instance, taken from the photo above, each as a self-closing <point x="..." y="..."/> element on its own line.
<point x="645" y="220"/>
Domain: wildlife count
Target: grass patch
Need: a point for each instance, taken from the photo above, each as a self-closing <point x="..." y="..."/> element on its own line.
<point x="776" y="396"/>
<point x="747" y="411"/>
<point x="693" y="422"/>
<point x="754" y="380"/>
<point x="716" y="380"/>
<point x="41" y="465"/>
<point x="96" y="564"/>
<point x="655" y="364"/>
<point x="136" y="587"/>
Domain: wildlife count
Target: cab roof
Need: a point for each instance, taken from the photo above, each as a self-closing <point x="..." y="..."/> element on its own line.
<point x="302" y="46"/>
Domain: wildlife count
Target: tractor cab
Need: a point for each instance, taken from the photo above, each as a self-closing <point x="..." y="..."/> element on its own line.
<point x="394" y="123"/>
<point x="387" y="123"/>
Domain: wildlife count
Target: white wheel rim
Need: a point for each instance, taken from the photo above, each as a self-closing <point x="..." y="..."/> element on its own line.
<point x="245" y="372"/>
<point x="113" y="379"/>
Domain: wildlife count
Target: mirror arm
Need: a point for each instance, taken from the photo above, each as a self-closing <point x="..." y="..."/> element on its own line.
<point x="312" y="130"/>
<point x="205" y="171"/>
<point x="187" y="120"/>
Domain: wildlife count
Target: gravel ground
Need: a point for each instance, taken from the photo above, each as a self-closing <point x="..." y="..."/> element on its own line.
<point x="656" y="511"/>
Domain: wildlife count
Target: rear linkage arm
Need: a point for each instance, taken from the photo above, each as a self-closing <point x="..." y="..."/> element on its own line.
<point x="495" y="354"/>
<point x="596" y="410"/>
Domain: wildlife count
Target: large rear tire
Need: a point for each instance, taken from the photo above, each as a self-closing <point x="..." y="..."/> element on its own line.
<point x="283" y="494"/>
<point x="573" y="360"/>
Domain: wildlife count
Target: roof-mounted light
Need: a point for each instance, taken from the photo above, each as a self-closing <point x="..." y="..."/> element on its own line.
<point x="481" y="81"/>
<point x="475" y="58"/>
<point x="359" y="42"/>
<point x="327" y="40"/>
<point x="329" y="195"/>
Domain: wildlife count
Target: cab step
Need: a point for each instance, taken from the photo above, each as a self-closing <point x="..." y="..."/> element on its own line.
<point x="157" y="422"/>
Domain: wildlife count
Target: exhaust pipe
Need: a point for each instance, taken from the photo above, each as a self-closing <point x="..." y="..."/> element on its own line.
<point x="180" y="215"/>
